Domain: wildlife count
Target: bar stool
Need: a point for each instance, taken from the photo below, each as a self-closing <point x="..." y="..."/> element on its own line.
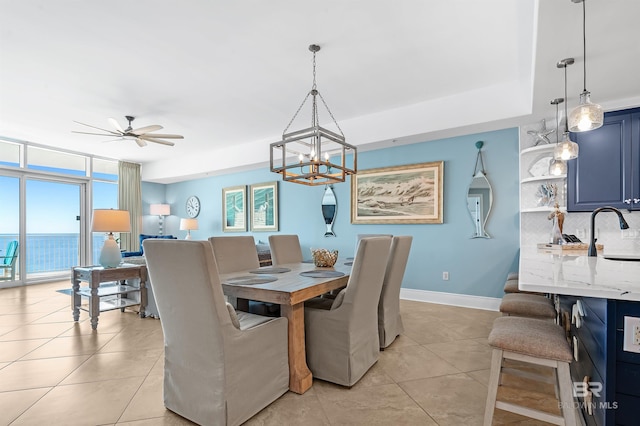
<point x="528" y="305"/>
<point x="511" y="286"/>
<point x="535" y="342"/>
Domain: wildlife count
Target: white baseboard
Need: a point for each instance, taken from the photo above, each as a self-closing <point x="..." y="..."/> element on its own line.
<point x="453" y="299"/>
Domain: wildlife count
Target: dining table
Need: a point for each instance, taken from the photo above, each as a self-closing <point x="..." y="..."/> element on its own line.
<point x="289" y="286"/>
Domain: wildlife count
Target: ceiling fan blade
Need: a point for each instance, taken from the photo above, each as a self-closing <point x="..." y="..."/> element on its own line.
<point x="146" y="129"/>
<point x="113" y="140"/>
<point x="104" y="130"/>
<point x="97" y="134"/>
<point x="116" y="125"/>
<point x="150" y="139"/>
<point x="158" y="135"/>
<point x="141" y="142"/>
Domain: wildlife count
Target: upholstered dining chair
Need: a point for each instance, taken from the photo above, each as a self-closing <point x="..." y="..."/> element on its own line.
<point x="220" y="367"/>
<point x="239" y="253"/>
<point x="389" y="321"/>
<point x="235" y="254"/>
<point x="341" y="334"/>
<point x="285" y="249"/>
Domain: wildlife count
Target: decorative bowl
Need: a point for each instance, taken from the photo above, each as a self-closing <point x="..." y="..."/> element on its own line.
<point x="324" y="257"/>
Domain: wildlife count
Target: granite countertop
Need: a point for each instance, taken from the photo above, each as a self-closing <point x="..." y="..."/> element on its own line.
<point x="577" y="274"/>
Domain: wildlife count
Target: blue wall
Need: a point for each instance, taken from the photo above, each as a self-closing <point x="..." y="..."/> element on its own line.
<point x="476" y="266"/>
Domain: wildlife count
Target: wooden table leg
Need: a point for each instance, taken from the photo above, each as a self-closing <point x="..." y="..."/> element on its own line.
<point x="300" y="378"/>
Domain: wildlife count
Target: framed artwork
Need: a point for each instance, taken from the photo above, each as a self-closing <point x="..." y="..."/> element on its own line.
<point x="264" y="206"/>
<point x="398" y="195"/>
<point x="234" y="209"/>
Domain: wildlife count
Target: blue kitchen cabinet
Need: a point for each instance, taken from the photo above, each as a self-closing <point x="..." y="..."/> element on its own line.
<point x="613" y="373"/>
<point x="607" y="170"/>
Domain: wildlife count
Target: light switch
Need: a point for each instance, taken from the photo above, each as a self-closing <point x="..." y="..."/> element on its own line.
<point x="631" y="341"/>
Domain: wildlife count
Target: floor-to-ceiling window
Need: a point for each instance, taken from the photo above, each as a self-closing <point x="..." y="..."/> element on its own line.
<point x="9" y="227"/>
<point x="53" y="238"/>
<point x="47" y="197"/>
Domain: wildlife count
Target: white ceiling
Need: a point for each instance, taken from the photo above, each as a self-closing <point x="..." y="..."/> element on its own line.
<point x="229" y="75"/>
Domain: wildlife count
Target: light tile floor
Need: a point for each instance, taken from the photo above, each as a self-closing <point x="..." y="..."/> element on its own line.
<point x="57" y="372"/>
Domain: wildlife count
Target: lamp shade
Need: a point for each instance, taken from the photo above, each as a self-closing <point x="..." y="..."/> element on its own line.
<point x="160" y="209"/>
<point x="110" y="220"/>
<point x="188" y="224"/>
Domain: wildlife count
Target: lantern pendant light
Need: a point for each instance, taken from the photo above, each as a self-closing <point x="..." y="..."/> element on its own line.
<point x="314" y="155"/>
<point x="557" y="167"/>
<point x="567" y="149"/>
<point x="586" y="116"/>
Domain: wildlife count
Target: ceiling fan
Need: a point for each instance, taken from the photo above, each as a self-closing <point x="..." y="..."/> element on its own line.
<point x="141" y="135"/>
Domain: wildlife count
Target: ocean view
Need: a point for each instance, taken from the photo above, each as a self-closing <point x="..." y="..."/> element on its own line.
<point x="52" y="252"/>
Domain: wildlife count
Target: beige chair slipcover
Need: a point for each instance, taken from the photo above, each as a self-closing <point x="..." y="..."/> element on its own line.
<point x="239" y="253"/>
<point x="285" y="249"/>
<point x="214" y="373"/>
<point x="361" y="236"/>
<point x="235" y="254"/>
<point x="389" y="320"/>
<point x="342" y="343"/>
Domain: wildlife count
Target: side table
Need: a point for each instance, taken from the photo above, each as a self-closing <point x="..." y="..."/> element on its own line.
<point x="108" y="297"/>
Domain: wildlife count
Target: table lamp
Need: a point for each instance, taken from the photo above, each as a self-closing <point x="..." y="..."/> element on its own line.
<point x="160" y="210"/>
<point x="188" y="225"/>
<point x="110" y="221"/>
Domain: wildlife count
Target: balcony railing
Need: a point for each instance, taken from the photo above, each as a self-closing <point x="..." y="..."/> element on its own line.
<point x="51" y="253"/>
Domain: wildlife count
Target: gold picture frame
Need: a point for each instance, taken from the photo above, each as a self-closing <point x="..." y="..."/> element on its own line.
<point x="264" y="206"/>
<point x="405" y="194"/>
<point x="234" y="209"/>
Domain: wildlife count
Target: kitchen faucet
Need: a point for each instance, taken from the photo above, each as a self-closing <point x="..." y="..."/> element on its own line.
<point x="623" y="225"/>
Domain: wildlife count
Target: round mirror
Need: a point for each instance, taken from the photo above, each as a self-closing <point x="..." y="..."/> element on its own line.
<point x="479" y="199"/>
<point x="329" y="210"/>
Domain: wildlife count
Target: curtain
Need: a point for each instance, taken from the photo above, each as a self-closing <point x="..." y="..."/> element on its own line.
<point x="130" y="198"/>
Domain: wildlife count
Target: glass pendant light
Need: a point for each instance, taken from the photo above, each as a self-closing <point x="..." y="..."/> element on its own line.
<point x="586" y="116"/>
<point x="558" y="167"/>
<point x="567" y="149"/>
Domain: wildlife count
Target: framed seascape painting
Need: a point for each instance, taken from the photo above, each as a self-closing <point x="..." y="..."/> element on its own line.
<point x="399" y="195"/>
<point x="234" y="209"/>
<point x="264" y="206"/>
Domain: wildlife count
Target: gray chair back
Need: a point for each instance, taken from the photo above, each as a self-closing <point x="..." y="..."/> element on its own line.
<point x="285" y="249"/>
<point x="389" y="320"/>
<point x="235" y="254"/>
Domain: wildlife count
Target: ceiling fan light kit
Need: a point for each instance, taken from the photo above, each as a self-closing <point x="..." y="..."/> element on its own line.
<point x="314" y="155"/>
<point x="141" y="135"/>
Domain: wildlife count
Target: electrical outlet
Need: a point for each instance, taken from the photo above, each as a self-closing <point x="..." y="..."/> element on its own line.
<point x="445" y="276"/>
<point x="631" y="339"/>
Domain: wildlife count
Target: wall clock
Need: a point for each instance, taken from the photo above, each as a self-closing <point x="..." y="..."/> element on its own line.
<point x="193" y="206"/>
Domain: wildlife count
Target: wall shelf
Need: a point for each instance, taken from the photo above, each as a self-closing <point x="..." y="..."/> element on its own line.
<point x="543" y="178"/>
<point x="544" y="209"/>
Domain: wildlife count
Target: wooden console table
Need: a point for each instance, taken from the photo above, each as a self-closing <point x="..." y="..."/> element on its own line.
<point x="107" y="297"/>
